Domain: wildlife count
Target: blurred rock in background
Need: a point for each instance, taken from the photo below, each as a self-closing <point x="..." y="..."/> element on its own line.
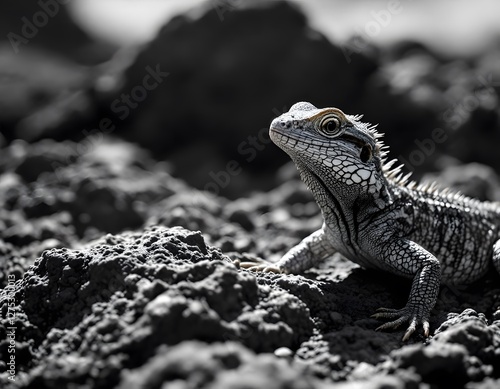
<point x="47" y="25"/>
<point x="227" y="79"/>
<point x="46" y="64"/>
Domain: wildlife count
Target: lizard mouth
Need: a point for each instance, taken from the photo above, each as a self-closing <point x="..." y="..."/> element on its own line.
<point x="276" y="134"/>
<point x="276" y="129"/>
<point x="283" y="138"/>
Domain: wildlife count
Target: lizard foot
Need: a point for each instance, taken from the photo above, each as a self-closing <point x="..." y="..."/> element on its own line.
<point x="259" y="265"/>
<point x="401" y="316"/>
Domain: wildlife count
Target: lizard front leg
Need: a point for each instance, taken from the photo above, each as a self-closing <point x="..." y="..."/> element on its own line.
<point x="310" y="251"/>
<point x="407" y="258"/>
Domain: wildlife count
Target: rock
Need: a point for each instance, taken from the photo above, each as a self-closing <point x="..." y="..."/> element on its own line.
<point x="265" y="372"/>
<point x="429" y="107"/>
<point x="31" y="80"/>
<point x="39" y="24"/>
<point x="402" y="99"/>
<point x="126" y="290"/>
<point x="46" y="82"/>
<point x="473" y="179"/>
<point x="462" y="350"/>
<point x="440" y="364"/>
<point x="189" y="361"/>
<point x="481" y="122"/>
<point x="283" y="352"/>
<point x="482" y="341"/>
<point x="45" y="157"/>
<point x="378" y="382"/>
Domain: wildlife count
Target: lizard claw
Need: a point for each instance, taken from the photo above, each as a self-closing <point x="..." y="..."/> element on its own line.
<point x="401" y="316"/>
<point x="260" y="265"/>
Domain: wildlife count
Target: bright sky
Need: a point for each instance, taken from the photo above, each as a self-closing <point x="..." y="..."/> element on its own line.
<point x="126" y="21"/>
<point x="454" y="25"/>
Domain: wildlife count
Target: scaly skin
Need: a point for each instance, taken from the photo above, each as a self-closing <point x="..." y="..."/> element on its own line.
<point x="376" y="218"/>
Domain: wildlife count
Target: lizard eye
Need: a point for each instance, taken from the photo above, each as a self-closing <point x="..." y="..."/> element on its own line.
<point x="366" y="153"/>
<point x="330" y="126"/>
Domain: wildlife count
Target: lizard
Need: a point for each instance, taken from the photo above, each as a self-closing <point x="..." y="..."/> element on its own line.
<point x="376" y="217"/>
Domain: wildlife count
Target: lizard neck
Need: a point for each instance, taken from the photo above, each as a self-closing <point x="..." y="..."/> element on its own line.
<point x="328" y="192"/>
<point x="344" y="209"/>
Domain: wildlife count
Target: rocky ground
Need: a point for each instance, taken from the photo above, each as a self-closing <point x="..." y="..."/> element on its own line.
<point x="117" y="273"/>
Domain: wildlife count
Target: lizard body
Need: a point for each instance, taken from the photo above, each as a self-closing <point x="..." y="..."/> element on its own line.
<point x="378" y="219"/>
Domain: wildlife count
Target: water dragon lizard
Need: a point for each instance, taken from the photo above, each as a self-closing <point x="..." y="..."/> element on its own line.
<point x="376" y="217"/>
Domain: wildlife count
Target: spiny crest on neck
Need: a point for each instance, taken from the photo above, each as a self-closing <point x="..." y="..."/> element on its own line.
<point x="392" y="170"/>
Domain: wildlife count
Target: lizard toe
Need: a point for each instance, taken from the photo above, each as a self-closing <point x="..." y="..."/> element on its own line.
<point x="388" y="313"/>
<point x="392" y="324"/>
<point x="272" y="269"/>
<point x="400" y="317"/>
<point x="260" y="267"/>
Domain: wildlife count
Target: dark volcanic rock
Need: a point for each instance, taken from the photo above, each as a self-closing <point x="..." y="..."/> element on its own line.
<point x="473" y="179"/>
<point x="44" y="80"/>
<point x="480" y="115"/>
<point x="428" y="107"/>
<point x="29" y="24"/>
<point x="32" y="80"/>
<point x="216" y="366"/>
<point x="466" y="351"/>
<point x="54" y="194"/>
<point x="93" y="312"/>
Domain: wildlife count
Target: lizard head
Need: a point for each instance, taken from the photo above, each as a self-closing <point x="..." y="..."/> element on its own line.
<point x="338" y="149"/>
